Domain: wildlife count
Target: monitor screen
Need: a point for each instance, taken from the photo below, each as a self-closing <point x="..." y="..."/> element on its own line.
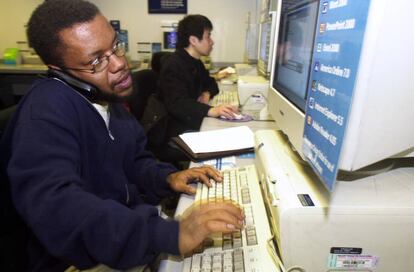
<point x="170" y="39"/>
<point x="155" y="47"/>
<point x="294" y="54"/>
<point x="337" y="55"/>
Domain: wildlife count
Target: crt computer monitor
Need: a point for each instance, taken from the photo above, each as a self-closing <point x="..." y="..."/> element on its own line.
<point x="379" y="122"/>
<point x="266" y="38"/>
<point x="170" y="39"/>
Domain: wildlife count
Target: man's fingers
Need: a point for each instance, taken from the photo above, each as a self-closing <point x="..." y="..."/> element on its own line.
<point x="201" y="220"/>
<point x="203" y="174"/>
<point x="221" y="226"/>
<point x="188" y="189"/>
<point x="222" y="205"/>
<point x="206" y="169"/>
<point x="230" y="221"/>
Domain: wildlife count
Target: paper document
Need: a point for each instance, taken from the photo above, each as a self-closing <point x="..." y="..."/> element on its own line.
<point x="234" y="138"/>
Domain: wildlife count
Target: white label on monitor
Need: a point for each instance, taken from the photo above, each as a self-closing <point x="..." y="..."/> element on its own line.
<point x="352" y="261"/>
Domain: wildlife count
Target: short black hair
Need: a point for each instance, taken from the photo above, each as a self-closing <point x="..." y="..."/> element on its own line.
<point x="192" y="25"/>
<point x="49" y="18"/>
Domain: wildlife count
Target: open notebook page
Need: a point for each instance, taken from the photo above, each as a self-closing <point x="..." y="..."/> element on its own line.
<point x="233" y="138"/>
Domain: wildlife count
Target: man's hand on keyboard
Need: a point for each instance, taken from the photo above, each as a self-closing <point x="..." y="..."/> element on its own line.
<point x="179" y="181"/>
<point x="225" y="110"/>
<point x="201" y="220"/>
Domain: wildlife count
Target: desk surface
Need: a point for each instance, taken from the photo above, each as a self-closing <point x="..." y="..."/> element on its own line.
<point x="22" y="68"/>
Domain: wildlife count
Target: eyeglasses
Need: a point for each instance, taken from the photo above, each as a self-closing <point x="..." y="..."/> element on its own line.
<point x="100" y="63"/>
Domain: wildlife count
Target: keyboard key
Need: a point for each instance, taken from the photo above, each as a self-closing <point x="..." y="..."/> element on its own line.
<point x="225" y="97"/>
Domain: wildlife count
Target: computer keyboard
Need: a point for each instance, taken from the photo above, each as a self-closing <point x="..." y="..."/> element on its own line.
<point x="241" y="251"/>
<point x="225" y="97"/>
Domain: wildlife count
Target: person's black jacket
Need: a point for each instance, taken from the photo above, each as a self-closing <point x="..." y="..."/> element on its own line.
<point x="182" y="80"/>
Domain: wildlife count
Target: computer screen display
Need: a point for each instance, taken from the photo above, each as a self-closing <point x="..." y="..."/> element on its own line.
<point x="155" y="47"/>
<point x="170" y="39"/>
<point x="294" y="54"/>
<point x="333" y="71"/>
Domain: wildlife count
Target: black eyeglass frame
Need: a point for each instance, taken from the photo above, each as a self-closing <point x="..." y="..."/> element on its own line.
<point x="118" y="50"/>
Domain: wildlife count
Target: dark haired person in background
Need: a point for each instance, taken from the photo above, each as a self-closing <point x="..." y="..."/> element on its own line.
<point x="185" y="85"/>
<point x="79" y="175"/>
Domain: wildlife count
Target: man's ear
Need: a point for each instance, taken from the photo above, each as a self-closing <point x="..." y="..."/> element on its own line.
<point x="192" y="40"/>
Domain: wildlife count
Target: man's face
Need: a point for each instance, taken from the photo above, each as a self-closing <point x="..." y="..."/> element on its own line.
<point x="85" y="42"/>
<point x="205" y="45"/>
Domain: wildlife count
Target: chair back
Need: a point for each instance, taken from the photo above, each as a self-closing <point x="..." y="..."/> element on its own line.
<point x="13" y="231"/>
<point x="144" y="84"/>
<point x="5" y="115"/>
<point x="158" y="58"/>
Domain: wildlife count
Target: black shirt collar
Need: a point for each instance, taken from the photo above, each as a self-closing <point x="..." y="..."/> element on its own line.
<point x="187" y="57"/>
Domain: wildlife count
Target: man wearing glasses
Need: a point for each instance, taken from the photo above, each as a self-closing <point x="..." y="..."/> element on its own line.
<point x="79" y="174"/>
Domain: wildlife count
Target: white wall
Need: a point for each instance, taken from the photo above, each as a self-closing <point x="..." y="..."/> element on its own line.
<point x="14" y="14"/>
<point x="228" y="17"/>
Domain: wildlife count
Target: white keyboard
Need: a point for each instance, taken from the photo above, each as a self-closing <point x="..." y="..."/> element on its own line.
<point x="225" y="97"/>
<point x="241" y="251"/>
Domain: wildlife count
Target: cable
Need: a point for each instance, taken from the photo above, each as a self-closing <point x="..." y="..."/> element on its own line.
<point x="256" y="95"/>
<point x="370" y="170"/>
<point x="275" y="258"/>
<point x="255" y="107"/>
<point x="272" y="252"/>
<point x="296" y="268"/>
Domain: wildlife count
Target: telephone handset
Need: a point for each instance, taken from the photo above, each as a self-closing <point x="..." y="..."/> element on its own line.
<point x="84" y="88"/>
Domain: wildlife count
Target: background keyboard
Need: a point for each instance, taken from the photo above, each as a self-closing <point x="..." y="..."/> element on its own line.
<point x="225" y="97"/>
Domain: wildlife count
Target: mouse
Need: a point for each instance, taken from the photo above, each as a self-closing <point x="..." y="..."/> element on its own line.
<point x="238" y="117"/>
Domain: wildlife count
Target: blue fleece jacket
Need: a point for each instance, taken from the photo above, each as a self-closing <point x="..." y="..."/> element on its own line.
<point x="86" y="197"/>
